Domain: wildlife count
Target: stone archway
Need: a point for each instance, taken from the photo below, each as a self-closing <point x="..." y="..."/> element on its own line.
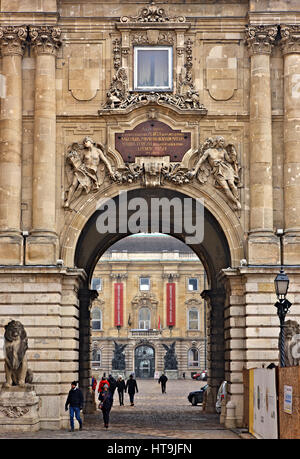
<point x="214" y="252"/>
<point x="144" y="361"/>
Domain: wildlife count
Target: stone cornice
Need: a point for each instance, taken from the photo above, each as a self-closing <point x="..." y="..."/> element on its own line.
<point x="260" y="38"/>
<point x="13" y="40"/>
<point x="45" y="39"/>
<point x="290" y="38"/>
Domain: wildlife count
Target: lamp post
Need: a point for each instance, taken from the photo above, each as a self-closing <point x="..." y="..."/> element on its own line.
<point x="283" y="305"/>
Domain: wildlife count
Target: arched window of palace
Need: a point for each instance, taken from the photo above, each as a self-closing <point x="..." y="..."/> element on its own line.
<point x="96" y="319"/>
<point x="193" y="358"/>
<point x="96" y="356"/>
<point x="193" y="319"/>
<point x="144" y="318"/>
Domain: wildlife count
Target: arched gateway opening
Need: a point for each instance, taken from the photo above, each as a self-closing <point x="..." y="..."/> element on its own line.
<point x="144" y="361"/>
<point x="212" y="250"/>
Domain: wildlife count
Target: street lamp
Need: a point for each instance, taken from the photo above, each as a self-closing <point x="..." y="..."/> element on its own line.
<point x="283" y="305"/>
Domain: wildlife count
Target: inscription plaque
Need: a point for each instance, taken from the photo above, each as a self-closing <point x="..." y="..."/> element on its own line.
<point x="152" y="138"/>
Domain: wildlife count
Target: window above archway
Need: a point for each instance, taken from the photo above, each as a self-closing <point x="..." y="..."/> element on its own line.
<point x="153" y="68"/>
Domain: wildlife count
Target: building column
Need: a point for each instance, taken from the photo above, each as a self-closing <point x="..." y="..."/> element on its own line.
<point x="42" y="245"/>
<point x="86" y="298"/>
<point x="290" y="43"/>
<point x="12" y="44"/>
<point x="262" y="244"/>
<point x="215" y="345"/>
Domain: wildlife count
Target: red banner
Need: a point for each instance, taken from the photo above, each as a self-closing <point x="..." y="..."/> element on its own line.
<point x="118" y="304"/>
<point x="171" y="304"/>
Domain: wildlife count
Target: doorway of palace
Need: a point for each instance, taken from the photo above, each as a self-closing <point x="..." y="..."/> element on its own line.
<point x="213" y="251"/>
<point x="144" y="358"/>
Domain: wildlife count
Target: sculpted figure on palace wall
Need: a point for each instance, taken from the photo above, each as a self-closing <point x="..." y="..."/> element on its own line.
<point x="88" y="164"/>
<point x="221" y="161"/>
<point x="292" y="343"/>
<point x="84" y="168"/>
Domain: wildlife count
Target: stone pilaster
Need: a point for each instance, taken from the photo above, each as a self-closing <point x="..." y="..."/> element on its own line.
<point x="215" y="343"/>
<point x="290" y="44"/>
<point x="86" y="298"/>
<point x="12" y="44"/>
<point x="263" y="245"/>
<point x="42" y="243"/>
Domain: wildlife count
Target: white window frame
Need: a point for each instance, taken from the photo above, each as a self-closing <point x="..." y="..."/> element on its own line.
<point x="97" y="320"/>
<point x="97" y="278"/>
<point x="188" y="283"/>
<point x="170" y="69"/>
<point x="193" y="363"/>
<point x="142" y="288"/>
<point x="189" y="320"/>
<point x="97" y="363"/>
<point x="145" y="324"/>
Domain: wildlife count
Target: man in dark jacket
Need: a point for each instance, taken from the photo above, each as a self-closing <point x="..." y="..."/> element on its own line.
<point x="163" y="381"/>
<point x="121" y="389"/>
<point x="131" y="386"/>
<point x="112" y="384"/>
<point x="75" y="403"/>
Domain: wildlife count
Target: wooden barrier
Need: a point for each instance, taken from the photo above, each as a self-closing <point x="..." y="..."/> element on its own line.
<point x="289" y="402"/>
<point x="246" y="398"/>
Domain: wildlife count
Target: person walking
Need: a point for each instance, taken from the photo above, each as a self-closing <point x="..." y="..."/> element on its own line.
<point x="112" y="384"/>
<point x="75" y="403"/>
<point x="101" y="383"/>
<point x="105" y="404"/>
<point x="94" y="384"/>
<point x="163" y="381"/>
<point x="121" y="389"/>
<point x="131" y="387"/>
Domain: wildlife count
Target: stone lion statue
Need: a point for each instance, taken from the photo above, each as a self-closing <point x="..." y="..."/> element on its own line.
<point x="292" y="343"/>
<point x="15" y="362"/>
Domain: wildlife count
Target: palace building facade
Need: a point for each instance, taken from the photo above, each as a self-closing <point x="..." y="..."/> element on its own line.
<point x="142" y="269"/>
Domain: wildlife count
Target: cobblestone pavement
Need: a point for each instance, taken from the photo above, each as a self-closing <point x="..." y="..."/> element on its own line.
<point x="154" y="416"/>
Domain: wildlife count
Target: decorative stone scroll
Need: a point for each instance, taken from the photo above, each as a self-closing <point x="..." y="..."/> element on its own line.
<point x="152" y="13"/>
<point x="290" y="38"/>
<point x="13" y="39"/>
<point x="261" y="38"/>
<point x="45" y="39"/>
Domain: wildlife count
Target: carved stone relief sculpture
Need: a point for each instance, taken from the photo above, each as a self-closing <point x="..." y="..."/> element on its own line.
<point x="219" y="160"/>
<point x="292" y="343"/>
<point x="152" y="13"/>
<point x="87" y="165"/>
<point x="84" y="169"/>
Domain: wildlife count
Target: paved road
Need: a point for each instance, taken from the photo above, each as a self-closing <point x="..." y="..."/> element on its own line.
<point x="154" y="416"/>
